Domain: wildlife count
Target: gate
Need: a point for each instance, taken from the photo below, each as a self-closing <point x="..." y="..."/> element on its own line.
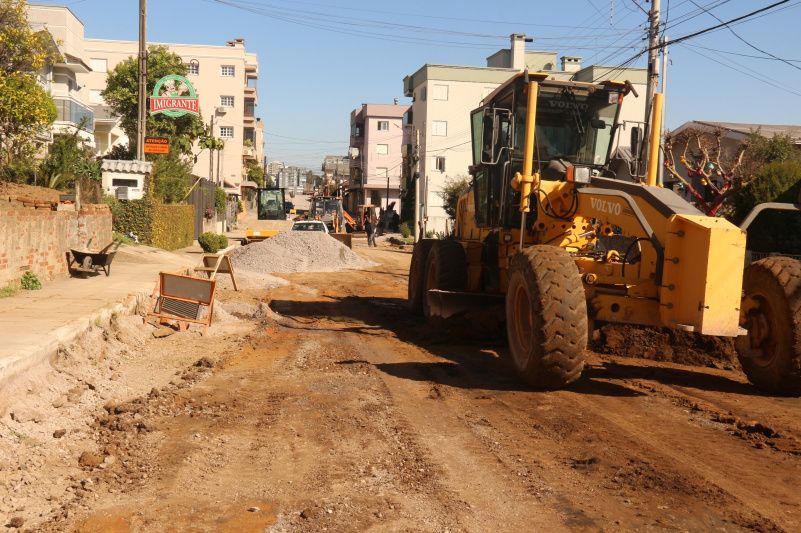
<point x="202" y="198"/>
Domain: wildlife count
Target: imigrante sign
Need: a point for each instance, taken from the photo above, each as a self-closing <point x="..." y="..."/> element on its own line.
<point x="174" y="96"/>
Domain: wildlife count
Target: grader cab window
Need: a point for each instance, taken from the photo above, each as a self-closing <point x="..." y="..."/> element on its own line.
<point x="574" y="125"/>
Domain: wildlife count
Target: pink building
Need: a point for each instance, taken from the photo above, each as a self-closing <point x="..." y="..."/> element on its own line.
<point x="376" y="141"/>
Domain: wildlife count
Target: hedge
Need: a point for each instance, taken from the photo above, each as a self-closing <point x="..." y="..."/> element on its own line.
<point x="133" y="216"/>
<point x="166" y="226"/>
<point x="173" y="226"/>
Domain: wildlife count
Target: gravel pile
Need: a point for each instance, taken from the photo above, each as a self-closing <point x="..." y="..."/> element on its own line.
<point x="298" y="251"/>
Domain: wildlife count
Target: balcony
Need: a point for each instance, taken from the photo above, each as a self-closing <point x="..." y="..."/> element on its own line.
<point x="74" y="113"/>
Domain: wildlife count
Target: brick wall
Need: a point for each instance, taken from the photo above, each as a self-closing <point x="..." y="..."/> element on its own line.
<point x="36" y="237"/>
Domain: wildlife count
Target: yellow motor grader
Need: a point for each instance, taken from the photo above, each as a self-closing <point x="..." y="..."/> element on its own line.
<point x="548" y="233"/>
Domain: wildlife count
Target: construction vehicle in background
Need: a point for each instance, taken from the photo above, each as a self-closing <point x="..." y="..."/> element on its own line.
<point x="547" y="233"/>
<point x="328" y="209"/>
<point x="270" y="203"/>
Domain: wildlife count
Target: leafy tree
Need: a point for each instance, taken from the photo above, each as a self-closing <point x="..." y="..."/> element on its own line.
<point x="68" y="159"/>
<point x="121" y="96"/>
<point x="119" y="153"/>
<point x="269" y="181"/>
<point x="453" y="189"/>
<point x="25" y="107"/>
<point x="171" y="178"/>
<point x="256" y="173"/>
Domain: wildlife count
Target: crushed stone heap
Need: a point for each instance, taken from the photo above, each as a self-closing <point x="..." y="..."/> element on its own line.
<point x="298" y="251"/>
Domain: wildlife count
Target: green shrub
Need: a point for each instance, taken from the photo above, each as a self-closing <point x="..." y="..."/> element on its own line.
<point x="173" y="226"/>
<point x="30" y="282"/>
<point x="220" y="201"/>
<point x="9" y="290"/>
<point x="405" y="230"/>
<point x="212" y="242"/>
<point x="133" y="216"/>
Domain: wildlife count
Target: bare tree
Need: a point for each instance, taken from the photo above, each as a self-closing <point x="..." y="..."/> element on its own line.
<point x="718" y="172"/>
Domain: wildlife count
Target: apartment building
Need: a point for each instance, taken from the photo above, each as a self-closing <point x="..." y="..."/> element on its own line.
<point x="377" y="137"/>
<point x="438" y="122"/>
<point x="224" y="78"/>
<point x="274" y="168"/>
<point x="63" y="80"/>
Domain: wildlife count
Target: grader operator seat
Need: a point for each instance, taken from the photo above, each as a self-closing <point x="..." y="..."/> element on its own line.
<point x="548" y="233"/>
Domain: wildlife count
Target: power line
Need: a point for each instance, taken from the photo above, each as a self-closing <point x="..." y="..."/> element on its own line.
<point x="746" y="42"/>
<point x="746" y="72"/>
<point x="740" y="54"/>
<point x="705" y="30"/>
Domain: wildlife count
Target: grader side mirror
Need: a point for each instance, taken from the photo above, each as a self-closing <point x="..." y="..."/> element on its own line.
<point x="636" y="141"/>
<point x="491" y="128"/>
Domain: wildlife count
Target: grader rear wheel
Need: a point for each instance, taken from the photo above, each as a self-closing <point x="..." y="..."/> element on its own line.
<point x="771" y="312"/>
<point x="446" y="269"/>
<point x="546" y="317"/>
<point x="417" y="270"/>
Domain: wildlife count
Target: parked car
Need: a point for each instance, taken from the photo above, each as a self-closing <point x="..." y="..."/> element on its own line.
<point x="309" y="225"/>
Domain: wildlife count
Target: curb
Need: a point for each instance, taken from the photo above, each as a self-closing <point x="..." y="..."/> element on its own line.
<point x="15" y="367"/>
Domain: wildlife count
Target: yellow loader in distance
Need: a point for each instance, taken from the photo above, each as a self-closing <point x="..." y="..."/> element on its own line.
<point x="549" y="233"/>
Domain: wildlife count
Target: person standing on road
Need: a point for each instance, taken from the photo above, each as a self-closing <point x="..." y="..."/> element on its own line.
<point x="374" y="224"/>
<point x="368" y="229"/>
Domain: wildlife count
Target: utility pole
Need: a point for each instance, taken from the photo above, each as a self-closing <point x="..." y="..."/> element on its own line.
<point x="652" y="79"/>
<point x="212" y="143"/>
<point x="664" y="50"/>
<point x="653" y="55"/>
<point x="141" y="124"/>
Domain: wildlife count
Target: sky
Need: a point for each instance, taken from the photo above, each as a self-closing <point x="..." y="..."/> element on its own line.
<point x="319" y="59"/>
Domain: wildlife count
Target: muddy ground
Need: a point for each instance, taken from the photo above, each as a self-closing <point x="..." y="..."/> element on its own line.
<point x="322" y="405"/>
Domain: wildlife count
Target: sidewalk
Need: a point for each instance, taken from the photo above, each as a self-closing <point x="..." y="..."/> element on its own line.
<point x="33" y="324"/>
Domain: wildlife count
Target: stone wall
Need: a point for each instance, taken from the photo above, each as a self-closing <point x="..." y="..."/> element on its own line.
<point x="37" y="236"/>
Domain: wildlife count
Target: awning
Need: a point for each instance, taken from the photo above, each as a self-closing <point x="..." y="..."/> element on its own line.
<point x="249" y="185"/>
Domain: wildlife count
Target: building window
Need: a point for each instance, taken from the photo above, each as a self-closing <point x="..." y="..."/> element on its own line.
<point x="98" y="65"/>
<point x="382" y="149"/>
<point x="381" y="172"/>
<point x="440" y="163"/>
<point x="227" y="101"/>
<point x="96" y="97"/>
<point x="228" y="71"/>
<point x="193" y="68"/>
<point x="227" y="132"/>
<point x="439" y="128"/>
<point x="440" y="92"/>
<point x="423" y="94"/>
<point x="383" y="125"/>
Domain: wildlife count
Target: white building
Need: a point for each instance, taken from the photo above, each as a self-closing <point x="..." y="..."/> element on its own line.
<point x="224" y="78"/>
<point x="443" y="97"/>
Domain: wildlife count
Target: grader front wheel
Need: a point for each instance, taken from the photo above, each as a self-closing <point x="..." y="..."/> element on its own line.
<point x="771" y="312"/>
<point x="546" y="317"/>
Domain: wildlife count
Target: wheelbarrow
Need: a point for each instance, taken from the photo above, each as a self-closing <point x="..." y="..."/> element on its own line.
<point x="88" y="262"/>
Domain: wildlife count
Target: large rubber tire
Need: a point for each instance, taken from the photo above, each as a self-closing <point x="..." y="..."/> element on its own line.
<point x="546" y="317"/>
<point x="417" y="270"/>
<point x="771" y="353"/>
<point x="446" y="269"/>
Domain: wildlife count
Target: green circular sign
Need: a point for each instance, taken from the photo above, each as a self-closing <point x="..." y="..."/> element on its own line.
<point x="174" y="102"/>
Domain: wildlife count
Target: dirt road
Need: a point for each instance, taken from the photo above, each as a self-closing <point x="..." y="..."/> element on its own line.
<point x="344" y="413"/>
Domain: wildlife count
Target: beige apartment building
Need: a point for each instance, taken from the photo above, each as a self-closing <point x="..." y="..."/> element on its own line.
<point x="224" y="78"/>
<point x="438" y="123"/>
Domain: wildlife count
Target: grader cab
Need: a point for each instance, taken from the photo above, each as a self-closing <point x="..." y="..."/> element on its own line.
<point x="548" y="232"/>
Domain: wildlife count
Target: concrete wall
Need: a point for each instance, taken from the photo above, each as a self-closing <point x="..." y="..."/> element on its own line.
<point x="38" y="238"/>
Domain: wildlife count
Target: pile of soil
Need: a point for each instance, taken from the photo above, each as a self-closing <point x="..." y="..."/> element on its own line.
<point x="662" y="344"/>
<point x="298" y="251"/>
<point x="22" y="192"/>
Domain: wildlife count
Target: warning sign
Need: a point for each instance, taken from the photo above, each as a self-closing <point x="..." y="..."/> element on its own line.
<point x="157" y="145"/>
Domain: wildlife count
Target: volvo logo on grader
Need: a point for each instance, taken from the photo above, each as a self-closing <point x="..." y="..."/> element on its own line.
<point x="606" y="206"/>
